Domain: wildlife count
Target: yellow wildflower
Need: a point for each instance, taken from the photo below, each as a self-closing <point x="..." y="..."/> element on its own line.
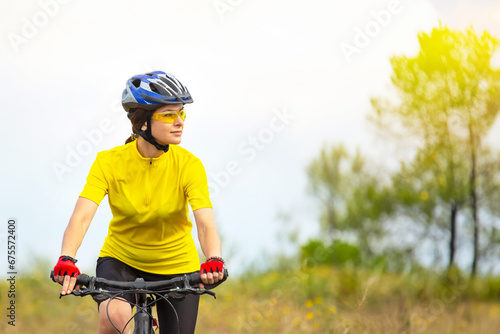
<point x="424" y="195"/>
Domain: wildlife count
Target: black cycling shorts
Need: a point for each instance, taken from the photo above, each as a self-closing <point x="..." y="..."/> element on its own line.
<point x="187" y="308"/>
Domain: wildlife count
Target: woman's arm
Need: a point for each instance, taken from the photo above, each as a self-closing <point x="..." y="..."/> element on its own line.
<point x="73" y="236"/>
<point x="209" y="240"/>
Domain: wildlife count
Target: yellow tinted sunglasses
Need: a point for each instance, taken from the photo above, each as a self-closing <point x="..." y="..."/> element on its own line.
<point x="169" y="116"/>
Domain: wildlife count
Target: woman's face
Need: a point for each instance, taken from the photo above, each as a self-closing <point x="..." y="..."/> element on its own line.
<point x="167" y="133"/>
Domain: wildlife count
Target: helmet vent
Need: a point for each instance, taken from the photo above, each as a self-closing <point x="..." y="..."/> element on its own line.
<point x="136" y="83"/>
<point x="153" y="88"/>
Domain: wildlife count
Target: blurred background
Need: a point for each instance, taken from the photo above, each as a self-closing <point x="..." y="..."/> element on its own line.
<point x="358" y="136"/>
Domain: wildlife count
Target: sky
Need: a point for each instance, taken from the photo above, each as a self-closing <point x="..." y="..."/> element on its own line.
<point x="272" y="82"/>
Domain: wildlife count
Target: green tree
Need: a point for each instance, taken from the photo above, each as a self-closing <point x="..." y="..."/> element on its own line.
<point x="448" y="97"/>
<point x="489" y="195"/>
<point x="352" y="197"/>
<point x="431" y="190"/>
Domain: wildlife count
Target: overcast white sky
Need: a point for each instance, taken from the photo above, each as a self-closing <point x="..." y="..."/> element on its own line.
<point x="270" y="81"/>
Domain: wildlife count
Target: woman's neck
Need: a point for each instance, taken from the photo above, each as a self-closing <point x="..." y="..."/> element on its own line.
<point x="146" y="149"/>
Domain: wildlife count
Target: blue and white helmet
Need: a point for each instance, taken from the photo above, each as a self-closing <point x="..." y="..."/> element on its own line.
<point x="151" y="90"/>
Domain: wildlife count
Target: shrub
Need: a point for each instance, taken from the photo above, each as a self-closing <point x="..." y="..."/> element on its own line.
<point x="338" y="253"/>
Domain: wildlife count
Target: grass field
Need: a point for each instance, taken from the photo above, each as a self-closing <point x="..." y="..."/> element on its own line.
<point x="305" y="300"/>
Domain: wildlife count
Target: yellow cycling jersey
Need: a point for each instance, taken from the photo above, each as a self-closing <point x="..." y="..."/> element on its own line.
<point x="150" y="229"/>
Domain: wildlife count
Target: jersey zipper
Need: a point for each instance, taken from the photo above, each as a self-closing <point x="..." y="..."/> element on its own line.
<point x="148" y="185"/>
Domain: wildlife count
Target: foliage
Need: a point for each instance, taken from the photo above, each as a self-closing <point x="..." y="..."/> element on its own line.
<point x="449" y="84"/>
<point x="317" y="252"/>
<point x="352" y="197"/>
<point x="448" y="99"/>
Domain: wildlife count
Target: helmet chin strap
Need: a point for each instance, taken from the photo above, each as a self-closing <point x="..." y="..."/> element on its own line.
<point x="150" y="139"/>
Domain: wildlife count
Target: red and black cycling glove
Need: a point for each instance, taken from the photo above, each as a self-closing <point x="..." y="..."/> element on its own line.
<point x="213" y="264"/>
<point x="66" y="266"/>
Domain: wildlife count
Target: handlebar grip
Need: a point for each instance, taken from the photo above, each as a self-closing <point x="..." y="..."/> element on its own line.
<point x="195" y="278"/>
<point x="82" y="279"/>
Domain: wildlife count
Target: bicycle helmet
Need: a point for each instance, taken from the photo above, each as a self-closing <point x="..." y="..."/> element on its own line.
<point x="150" y="91"/>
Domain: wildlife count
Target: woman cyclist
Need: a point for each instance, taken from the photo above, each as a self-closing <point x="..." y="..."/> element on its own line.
<point x="149" y="182"/>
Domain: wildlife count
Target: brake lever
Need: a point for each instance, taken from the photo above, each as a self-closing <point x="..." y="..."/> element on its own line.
<point x="200" y="292"/>
<point x="74" y="293"/>
<point x="208" y="292"/>
<point x="181" y="293"/>
<point x="80" y="293"/>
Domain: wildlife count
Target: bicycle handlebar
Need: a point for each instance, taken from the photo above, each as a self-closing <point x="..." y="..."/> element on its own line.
<point x="175" y="288"/>
<point x="186" y="280"/>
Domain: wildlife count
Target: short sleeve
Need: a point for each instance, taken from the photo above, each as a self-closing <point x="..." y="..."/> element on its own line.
<point x="196" y="185"/>
<point x="96" y="187"/>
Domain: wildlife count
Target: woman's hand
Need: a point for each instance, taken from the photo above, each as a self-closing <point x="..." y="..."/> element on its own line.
<point x="65" y="273"/>
<point x="212" y="271"/>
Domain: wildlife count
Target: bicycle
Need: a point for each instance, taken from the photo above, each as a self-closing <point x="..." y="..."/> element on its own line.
<point x="144" y="321"/>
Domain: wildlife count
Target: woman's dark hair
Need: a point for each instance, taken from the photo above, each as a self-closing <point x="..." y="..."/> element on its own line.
<point x="137" y="117"/>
